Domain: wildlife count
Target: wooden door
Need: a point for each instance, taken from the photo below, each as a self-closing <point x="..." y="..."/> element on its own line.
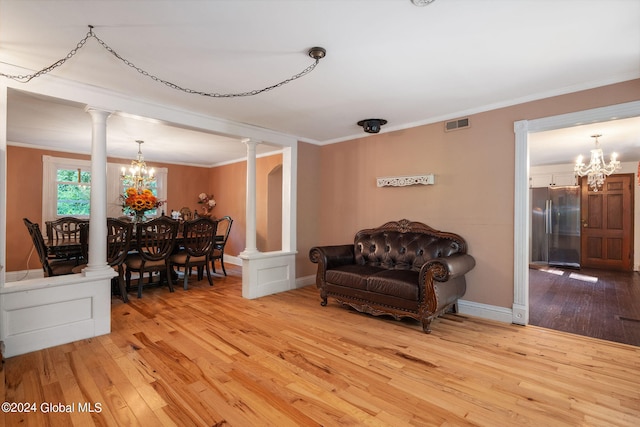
<point x="607" y="224"/>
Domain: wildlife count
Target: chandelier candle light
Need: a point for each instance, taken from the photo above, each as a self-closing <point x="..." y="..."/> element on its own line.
<point x="597" y="170"/>
<point x="139" y="175"/>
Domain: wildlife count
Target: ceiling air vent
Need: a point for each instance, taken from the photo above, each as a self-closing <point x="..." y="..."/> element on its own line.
<point x="456" y="124"/>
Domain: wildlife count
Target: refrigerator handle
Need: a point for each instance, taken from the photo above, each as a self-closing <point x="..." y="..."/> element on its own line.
<point x="547" y="217"/>
<point x="550" y="216"/>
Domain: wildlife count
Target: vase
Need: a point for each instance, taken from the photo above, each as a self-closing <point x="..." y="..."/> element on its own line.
<point x="138" y="217"/>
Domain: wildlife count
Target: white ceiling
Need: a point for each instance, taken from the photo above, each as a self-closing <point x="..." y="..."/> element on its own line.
<point x="565" y="145"/>
<point x="385" y="58"/>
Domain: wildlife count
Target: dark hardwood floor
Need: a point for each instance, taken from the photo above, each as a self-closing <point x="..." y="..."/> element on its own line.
<point x="594" y="303"/>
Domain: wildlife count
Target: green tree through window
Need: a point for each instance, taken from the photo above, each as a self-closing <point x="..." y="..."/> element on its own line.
<point x="73" y="192"/>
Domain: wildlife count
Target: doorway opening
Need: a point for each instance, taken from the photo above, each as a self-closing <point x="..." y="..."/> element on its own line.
<point x="585" y="285"/>
<point x="522" y="227"/>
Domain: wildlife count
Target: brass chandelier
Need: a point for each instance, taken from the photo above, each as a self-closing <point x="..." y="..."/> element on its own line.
<point x="139" y="176"/>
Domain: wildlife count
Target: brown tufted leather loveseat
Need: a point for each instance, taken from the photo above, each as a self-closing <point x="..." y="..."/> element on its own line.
<point x="401" y="269"/>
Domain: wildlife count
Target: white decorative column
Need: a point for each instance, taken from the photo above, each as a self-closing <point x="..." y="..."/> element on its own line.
<point x="250" y="245"/>
<point x="520" y="308"/>
<point x="98" y="219"/>
<point x="265" y="273"/>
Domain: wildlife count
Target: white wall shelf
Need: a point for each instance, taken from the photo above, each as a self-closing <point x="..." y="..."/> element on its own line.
<point x="402" y="181"/>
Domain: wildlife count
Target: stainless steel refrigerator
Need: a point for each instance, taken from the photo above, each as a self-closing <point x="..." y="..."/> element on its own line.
<point x="555" y="226"/>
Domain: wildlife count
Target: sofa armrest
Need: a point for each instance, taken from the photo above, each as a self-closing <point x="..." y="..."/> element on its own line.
<point x="332" y="256"/>
<point x="450" y="267"/>
<point x="328" y="257"/>
<point x="442" y="282"/>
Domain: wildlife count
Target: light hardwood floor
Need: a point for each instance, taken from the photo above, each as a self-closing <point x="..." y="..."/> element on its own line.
<point x="208" y="357"/>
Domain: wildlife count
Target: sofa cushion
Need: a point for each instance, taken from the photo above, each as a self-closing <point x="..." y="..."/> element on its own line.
<point x="399" y="283"/>
<point x="352" y="275"/>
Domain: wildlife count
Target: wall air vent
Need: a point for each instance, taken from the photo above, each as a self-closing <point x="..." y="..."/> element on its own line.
<point x="456" y="124"/>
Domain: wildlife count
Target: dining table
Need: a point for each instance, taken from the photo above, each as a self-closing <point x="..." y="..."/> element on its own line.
<point x="72" y="248"/>
<point x="64" y="249"/>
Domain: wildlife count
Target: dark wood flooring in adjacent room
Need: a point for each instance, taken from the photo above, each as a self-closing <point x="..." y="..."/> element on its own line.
<point x="594" y="303"/>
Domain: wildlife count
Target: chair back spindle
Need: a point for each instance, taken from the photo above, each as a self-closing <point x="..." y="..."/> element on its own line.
<point x="198" y="241"/>
<point x="155" y="240"/>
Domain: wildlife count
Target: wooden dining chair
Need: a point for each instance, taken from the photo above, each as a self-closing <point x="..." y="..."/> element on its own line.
<point x="118" y="244"/>
<point x="224" y="228"/>
<point x="50" y="267"/>
<point x="155" y="240"/>
<point x="198" y="239"/>
<point x="63" y="234"/>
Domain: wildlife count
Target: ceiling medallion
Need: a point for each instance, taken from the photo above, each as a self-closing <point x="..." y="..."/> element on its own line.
<point x="317" y="53"/>
<point x="422" y="2"/>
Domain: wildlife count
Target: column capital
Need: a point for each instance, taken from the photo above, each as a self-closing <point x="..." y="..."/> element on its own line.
<point x="95" y="109"/>
<point x="251" y="142"/>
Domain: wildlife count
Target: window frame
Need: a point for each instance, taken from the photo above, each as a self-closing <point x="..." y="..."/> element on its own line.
<point x="50" y="166"/>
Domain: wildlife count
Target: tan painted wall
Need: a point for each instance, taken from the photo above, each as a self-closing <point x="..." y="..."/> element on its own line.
<point x="228" y="185"/>
<point x="229" y="188"/>
<point x="310" y="208"/>
<point x="264" y="166"/>
<point x="184" y="185"/>
<point x="474" y="191"/>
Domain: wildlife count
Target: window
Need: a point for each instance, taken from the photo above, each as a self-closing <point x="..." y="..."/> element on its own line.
<point x="73" y="192"/>
<point x="66" y="188"/>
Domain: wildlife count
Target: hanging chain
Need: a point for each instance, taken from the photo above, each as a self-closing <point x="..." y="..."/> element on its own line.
<point x="28" y="77"/>
<point x="25" y="78"/>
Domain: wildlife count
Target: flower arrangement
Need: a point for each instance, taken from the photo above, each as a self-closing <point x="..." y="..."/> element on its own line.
<point x="207" y="202"/>
<point x="136" y="202"/>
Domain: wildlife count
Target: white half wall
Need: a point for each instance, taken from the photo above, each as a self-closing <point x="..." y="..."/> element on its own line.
<point x="41" y="313"/>
<point x="266" y="273"/>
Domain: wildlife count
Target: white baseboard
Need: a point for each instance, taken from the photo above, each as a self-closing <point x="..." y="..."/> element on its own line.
<point x="485" y="311"/>
<point x="234" y="260"/>
<point x="301" y="282"/>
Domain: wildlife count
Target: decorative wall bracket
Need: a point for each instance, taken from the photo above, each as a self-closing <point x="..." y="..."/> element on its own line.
<point x="402" y="181"/>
